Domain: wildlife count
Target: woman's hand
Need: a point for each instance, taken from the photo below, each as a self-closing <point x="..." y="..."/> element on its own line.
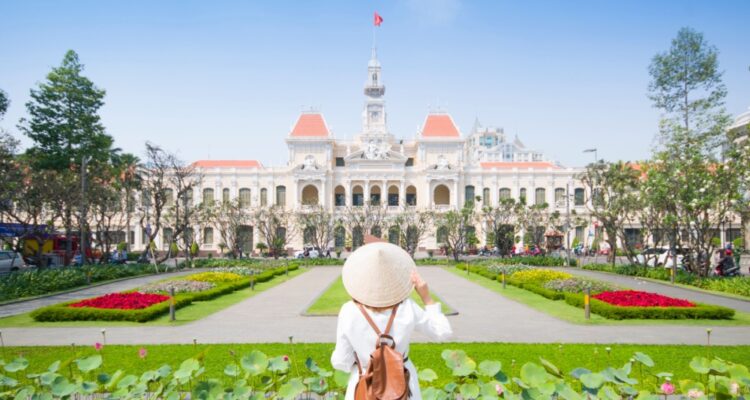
<point x="420" y="286"/>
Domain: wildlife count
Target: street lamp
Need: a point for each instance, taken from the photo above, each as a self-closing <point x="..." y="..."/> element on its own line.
<point x="84" y="164"/>
<point x="593" y="150"/>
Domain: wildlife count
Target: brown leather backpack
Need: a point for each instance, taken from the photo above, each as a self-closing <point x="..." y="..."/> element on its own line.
<point x="386" y="377"/>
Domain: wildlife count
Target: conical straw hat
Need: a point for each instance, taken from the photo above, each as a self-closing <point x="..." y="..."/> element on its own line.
<point x="378" y="274"/>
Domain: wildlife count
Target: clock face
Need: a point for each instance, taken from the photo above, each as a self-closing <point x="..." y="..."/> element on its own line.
<point x="374" y="114"/>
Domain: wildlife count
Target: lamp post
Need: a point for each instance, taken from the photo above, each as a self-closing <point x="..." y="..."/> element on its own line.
<point x="84" y="164"/>
<point x="593" y="150"/>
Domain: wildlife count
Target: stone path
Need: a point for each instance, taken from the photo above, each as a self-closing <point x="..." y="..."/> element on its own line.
<point x="662" y="288"/>
<point x="275" y="314"/>
<point x="125" y="284"/>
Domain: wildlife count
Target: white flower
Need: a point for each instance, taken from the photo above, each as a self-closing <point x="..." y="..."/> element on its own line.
<point x="694" y="394"/>
<point x="734" y="388"/>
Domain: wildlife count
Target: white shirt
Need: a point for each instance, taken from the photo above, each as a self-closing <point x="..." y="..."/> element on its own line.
<point x="354" y="334"/>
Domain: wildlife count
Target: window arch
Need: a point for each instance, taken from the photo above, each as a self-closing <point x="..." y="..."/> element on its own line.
<point x="358" y="198"/>
<point x="469" y="194"/>
<point x="245" y="197"/>
<point x="339" y="196"/>
<point x="522" y="195"/>
<point x="411" y="195"/>
<point x="375" y="195"/>
<point x="281" y="195"/>
<point x="208" y="195"/>
<point x="310" y="195"/>
<point x="540" y="196"/>
<point x="441" y="195"/>
<point x="393" y="196"/>
<point x="504" y="193"/>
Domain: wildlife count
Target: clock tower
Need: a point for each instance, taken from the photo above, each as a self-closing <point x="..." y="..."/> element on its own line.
<point x="373" y="116"/>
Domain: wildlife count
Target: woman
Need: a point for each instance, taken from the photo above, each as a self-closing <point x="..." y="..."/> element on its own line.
<point x="380" y="276"/>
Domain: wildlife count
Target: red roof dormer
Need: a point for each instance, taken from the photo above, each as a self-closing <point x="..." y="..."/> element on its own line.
<point x="440" y="126"/>
<point x="310" y="125"/>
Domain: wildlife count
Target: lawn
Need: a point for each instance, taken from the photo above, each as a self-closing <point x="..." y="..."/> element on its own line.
<point x="330" y="301"/>
<point x="670" y="358"/>
<point x="567" y="312"/>
<point x="193" y="312"/>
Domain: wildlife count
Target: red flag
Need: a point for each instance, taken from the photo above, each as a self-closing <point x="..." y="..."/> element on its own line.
<point x="378" y="19"/>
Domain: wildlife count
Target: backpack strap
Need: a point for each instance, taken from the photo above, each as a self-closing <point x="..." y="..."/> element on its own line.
<point x="372" y="323"/>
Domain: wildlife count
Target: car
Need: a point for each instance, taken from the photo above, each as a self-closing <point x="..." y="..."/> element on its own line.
<point x="11" y="261"/>
<point x="312" y="252"/>
<point x="666" y="259"/>
<point x="650" y="256"/>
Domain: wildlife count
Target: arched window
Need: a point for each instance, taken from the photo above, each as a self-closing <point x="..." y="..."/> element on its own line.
<point x="522" y="195"/>
<point x="560" y="196"/>
<point x="310" y="195"/>
<point x="504" y="193"/>
<point x="393" y="235"/>
<point x="225" y="195"/>
<point x="208" y="236"/>
<point x="339" y="196"/>
<point x="486" y="197"/>
<point x="579" y="197"/>
<point x="393" y="196"/>
<point x="411" y="195"/>
<point x="281" y="196"/>
<point x="357" y="196"/>
<point x="469" y="195"/>
<point x="208" y="196"/>
<point x="375" y="195"/>
<point x="441" y="195"/>
<point x="540" y="196"/>
<point x="263" y="197"/>
<point x="244" y="197"/>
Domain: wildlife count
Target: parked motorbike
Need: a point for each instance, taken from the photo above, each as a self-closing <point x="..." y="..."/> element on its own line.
<point x="727" y="267"/>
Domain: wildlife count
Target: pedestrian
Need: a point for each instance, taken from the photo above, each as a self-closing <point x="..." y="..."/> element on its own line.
<point x="379" y="277"/>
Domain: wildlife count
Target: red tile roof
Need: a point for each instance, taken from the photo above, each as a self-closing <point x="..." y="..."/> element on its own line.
<point x="520" y="164"/>
<point x="439" y="125"/>
<point x="227" y="164"/>
<point x="310" y="125"/>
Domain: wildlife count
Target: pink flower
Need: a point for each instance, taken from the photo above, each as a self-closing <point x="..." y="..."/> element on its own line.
<point x="142" y="353"/>
<point x="734" y="388"/>
<point x="98" y="346"/>
<point x="667" y="388"/>
<point x="694" y="394"/>
<point x="285" y="358"/>
<point x="499" y="389"/>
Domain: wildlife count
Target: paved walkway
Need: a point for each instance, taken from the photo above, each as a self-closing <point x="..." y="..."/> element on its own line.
<point x="665" y="288"/>
<point x="126" y="284"/>
<point x="275" y="314"/>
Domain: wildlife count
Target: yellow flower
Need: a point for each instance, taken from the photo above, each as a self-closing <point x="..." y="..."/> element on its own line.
<point x="539" y="276"/>
<point x="215" y="277"/>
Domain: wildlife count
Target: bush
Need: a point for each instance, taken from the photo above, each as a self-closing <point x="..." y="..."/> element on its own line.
<point x="539" y="276"/>
<point x="61" y="312"/>
<point x="578" y="285"/>
<point x="179" y="286"/>
<point x="39" y="282"/>
<point x="215" y="277"/>
<point x="508" y="269"/>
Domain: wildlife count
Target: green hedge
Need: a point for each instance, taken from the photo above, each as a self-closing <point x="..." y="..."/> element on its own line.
<point x="606" y="310"/>
<point x="542" y="291"/>
<point x="264" y="263"/>
<point x="61" y="312"/>
<point x="38" y="282"/>
<point x="537" y="261"/>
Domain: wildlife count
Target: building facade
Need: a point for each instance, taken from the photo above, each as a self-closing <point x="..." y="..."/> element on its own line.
<point x="438" y="169"/>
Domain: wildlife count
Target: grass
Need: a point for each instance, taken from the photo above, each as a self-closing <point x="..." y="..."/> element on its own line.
<point x="567" y="312"/>
<point x="672" y="358"/>
<point x="330" y="301"/>
<point x="193" y="312"/>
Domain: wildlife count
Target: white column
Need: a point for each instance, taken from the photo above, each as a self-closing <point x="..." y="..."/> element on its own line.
<point x="402" y="193"/>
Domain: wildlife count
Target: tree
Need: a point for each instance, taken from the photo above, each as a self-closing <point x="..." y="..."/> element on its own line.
<point x="276" y="226"/>
<point x="4" y="103"/>
<point x="612" y="189"/>
<point x="687" y="87"/>
<point x="500" y="223"/>
<point x="63" y="121"/>
<point x="413" y="226"/>
<point x="358" y="221"/>
<point x="155" y="194"/>
<point x="536" y="220"/>
<point x="457" y="227"/>
<point x="318" y="225"/>
<point x="66" y="131"/>
<point x="228" y="217"/>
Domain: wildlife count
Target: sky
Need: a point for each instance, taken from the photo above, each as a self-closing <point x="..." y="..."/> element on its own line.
<point x="227" y="79"/>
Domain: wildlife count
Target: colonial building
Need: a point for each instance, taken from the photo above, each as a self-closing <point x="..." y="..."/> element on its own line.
<point x="438" y="169"/>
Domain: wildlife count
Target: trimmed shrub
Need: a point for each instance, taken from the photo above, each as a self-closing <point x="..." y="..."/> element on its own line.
<point x="179" y="286"/>
<point x="215" y="277"/>
<point x="539" y="276"/>
<point x="578" y="285"/>
<point x="61" y="312"/>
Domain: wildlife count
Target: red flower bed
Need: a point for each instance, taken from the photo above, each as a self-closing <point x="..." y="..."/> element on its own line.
<point x="634" y="298"/>
<point x="122" y="301"/>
